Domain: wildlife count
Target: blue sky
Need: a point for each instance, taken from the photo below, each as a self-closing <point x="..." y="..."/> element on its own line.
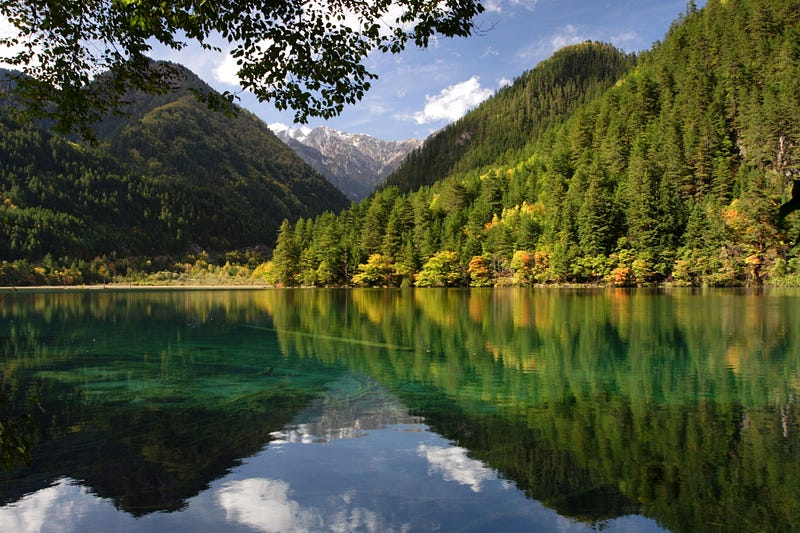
<point x="420" y="91"/>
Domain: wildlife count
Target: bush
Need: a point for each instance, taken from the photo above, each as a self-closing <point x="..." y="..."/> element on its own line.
<point x="441" y="270"/>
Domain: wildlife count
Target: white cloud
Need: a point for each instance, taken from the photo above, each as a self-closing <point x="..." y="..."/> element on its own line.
<point x="496" y="6"/>
<point x="265" y="505"/>
<point x="568" y="34"/>
<point x="453" y="102"/>
<point x="530" y="5"/>
<point x="226" y="71"/>
<point x="544" y="47"/>
<point x="624" y="37"/>
<point x="493" y="6"/>
<point x="504" y="82"/>
<point x="490" y="51"/>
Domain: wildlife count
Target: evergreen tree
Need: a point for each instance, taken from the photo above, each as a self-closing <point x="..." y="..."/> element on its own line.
<point x="286" y="256"/>
<point x="399" y="228"/>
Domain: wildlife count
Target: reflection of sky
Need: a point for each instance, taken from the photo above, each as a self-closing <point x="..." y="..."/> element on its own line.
<point x="350" y="410"/>
<point x="63" y="506"/>
<point x="265" y="505"/>
<point x="40" y="506"/>
<point x="397" y="477"/>
<point x="454" y="465"/>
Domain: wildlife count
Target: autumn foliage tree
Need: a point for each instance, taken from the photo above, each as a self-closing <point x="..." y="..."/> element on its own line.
<point x="441" y="270"/>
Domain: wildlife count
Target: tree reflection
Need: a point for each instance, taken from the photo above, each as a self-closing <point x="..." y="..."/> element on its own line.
<point x="681" y="405"/>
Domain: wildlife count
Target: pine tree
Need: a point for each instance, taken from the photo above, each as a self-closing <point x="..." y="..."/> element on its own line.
<point x="286" y="256"/>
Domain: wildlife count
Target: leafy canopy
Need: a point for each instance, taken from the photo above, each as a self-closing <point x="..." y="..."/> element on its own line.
<point x="81" y="58"/>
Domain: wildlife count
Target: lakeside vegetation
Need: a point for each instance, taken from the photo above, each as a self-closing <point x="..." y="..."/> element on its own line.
<point x="596" y="167"/>
<point x="233" y="268"/>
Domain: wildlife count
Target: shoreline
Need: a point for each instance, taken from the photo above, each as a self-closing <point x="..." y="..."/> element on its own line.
<point x="112" y="287"/>
<point x="127" y="287"/>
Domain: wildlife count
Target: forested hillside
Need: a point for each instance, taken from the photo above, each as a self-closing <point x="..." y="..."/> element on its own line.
<point x="505" y="123"/>
<point x="229" y="180"/>
<point x="64" y="199"/>
<point x="170" y="176"/>
<point x="673" y="174"/>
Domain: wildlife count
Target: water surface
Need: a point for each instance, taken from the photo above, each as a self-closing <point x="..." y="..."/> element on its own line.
<point x="402" y="410"/>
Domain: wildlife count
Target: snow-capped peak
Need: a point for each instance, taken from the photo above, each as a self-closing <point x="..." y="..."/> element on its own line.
<point x="354" y="162"/>
<point x="299" y="134"/>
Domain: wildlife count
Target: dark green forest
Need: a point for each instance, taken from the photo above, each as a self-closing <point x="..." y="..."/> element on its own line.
<point x="671" y="172"/>
<point x="169" y="176"/>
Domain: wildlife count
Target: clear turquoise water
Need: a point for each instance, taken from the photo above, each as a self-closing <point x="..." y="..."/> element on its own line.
<point x="402" y="410"/>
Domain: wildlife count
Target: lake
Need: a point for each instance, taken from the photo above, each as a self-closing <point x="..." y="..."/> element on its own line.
<point x="400" y="410"/>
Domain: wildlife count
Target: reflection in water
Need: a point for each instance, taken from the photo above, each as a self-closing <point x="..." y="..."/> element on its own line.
<point x="453" y="464"/>
<point x="403" y="478"/>
<point x="58" y="506"/>
<point x="264" y="504"/>
<point x="348" y="409"/>
<point x="392" y="478"/>
<point x="426" y="409"/>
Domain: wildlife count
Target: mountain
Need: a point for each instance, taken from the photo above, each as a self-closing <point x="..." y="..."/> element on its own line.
<point x="669" y="171"/>
<point x="169" y="176"/>
<point x="354" y="162"/>
<point x="503" y="124"/>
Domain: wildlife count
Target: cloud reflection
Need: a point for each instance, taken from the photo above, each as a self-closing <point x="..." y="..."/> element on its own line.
<point x="454" y="465"/>
<point x="61" y="507"/>
<point x="265" y="505"/>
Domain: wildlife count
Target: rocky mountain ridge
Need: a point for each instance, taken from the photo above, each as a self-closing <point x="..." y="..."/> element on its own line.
<point x="355" y="163"/>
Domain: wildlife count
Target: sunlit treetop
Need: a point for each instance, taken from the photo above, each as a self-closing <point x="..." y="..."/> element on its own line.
<point x="80" y="58"/>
